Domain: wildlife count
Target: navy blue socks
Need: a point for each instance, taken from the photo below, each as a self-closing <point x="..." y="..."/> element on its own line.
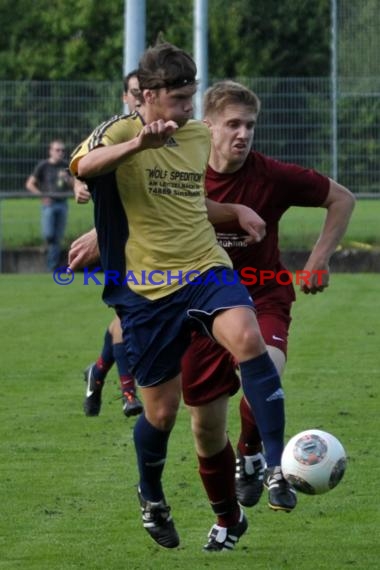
<point x="151" y="448"/>
<point x="105" y="360"/>
<point x="262" y="388"/>
<point x="127" y="382"/>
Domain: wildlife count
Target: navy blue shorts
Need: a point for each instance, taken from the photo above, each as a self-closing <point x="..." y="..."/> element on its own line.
<point x="157" y="333"/>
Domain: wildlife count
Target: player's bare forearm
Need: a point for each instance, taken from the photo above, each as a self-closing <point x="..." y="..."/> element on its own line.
<point x="81" y="193"/>
<point x="106" y="158"/>
<point x="339" y="204"/>
<point x="84" y="251"/>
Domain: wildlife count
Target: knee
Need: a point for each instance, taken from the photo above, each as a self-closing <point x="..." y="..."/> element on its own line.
<point x="207" y="430"/>
<point x="209" y="437"/>
<point x="201" y="429"/>
<point x="163" y="415"/>
<point x="249" y="343"/>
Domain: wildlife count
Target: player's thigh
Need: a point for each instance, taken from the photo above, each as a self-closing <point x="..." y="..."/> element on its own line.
<point x="155" y="336"/>
<point x="238" y="331"/>
<point x="274" y="321"/>
<point x="208" y="372"/>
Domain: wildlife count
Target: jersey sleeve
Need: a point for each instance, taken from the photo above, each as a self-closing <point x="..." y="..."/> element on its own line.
<point x="298" y="186"/>
<point x="116" y="130"/>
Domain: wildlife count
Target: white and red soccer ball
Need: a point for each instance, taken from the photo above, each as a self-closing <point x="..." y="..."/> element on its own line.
<point x="313" y="461"/>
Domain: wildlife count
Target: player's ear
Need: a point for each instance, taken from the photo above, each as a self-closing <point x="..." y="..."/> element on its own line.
<point x="149" y="95"/>
<point x="207" y="122"/>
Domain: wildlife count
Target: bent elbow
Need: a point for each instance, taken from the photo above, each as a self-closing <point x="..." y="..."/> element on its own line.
<point x="350" y="200"/>
<point x="82" y="169"/>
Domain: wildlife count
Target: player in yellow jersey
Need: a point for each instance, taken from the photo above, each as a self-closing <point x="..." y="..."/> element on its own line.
<point x="146" y="174"/>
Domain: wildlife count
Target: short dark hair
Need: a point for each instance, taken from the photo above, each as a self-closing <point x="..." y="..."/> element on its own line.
<point x="166" y="65"/>
<point x="126" y="79"/>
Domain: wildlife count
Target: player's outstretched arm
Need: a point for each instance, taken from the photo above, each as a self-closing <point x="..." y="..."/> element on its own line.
<point x="248" y="219"/>
<point x="339" y="203"/>
<point x="104" y="159"/>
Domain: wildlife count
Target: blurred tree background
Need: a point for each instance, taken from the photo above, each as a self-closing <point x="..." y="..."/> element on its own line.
<point x="61" y="65"/>
<point x="83" y="39"/>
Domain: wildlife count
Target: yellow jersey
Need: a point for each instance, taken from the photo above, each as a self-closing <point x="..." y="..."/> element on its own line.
<point x="162" y="192"/>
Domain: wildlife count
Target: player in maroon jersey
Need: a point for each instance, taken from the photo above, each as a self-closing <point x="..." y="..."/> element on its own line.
<point x="209" y="374"/>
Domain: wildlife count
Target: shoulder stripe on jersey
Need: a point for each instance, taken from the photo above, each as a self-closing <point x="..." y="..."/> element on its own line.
<point x="100" y="130"/>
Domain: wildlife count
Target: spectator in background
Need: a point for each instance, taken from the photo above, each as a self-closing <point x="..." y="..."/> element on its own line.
<point x="50" y="178"/>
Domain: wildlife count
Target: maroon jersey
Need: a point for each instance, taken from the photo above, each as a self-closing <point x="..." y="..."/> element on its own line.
<point x="269" y="187"/>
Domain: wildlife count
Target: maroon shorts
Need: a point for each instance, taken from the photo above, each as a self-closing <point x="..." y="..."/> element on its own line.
<point x="209" y="371"/>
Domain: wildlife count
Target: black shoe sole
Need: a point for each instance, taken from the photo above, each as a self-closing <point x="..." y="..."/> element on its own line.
<point x="165" y="541"/>
<point x="279" y="508"/>
<point x="91" y="413"/>
<point x="133" y="412"/>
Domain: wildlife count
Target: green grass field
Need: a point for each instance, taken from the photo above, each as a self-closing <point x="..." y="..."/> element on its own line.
<point x="300" y="227"/>
<point x="67" y="488"/>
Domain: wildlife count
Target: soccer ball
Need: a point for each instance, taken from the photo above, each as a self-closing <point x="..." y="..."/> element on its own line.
<point x="313" y="461"/>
